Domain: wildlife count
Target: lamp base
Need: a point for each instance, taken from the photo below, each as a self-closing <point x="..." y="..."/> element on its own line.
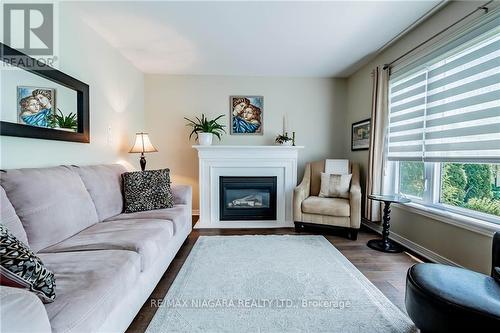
<point x="142" y="161"/>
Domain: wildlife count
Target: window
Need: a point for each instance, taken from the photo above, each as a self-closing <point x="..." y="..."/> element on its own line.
<point x="471" y="189"/>
<point x="412" y="178"/>
<point x="443" y="141"/>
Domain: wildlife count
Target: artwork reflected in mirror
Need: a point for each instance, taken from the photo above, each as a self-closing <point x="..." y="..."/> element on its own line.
<point x="247" y="115"/>
<point x="41" y="103"/>
<point x="35" y="106"/>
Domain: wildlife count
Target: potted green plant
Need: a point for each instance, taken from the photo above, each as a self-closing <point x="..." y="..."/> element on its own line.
<point x="62" y="122"/>
<point x="284" y="139"/>
<point x="204" y="129"/>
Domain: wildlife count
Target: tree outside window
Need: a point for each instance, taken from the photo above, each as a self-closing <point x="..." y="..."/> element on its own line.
<point x="472" y="186"/>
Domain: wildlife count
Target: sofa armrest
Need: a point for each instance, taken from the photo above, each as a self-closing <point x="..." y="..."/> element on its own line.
<point x="22" y="311"/>
<point x="355" y="197"/>
<point x="183" y="194"/>
<point x="300" y="193"/>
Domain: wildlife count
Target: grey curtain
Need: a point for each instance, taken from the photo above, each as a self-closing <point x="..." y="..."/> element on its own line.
<point x="376" y="157"/>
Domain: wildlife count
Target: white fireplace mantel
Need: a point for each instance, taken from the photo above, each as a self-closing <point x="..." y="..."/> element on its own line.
<point x="221" y="160"/>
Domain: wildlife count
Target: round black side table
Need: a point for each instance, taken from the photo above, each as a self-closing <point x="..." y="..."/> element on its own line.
<point x="385" y="244"/>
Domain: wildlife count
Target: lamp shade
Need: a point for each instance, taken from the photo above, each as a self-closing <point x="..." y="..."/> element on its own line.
<point x="142" y="144"/>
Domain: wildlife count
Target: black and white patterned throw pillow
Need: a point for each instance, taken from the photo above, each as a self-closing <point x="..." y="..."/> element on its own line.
<point x="147" y="190"/>
<point x="21" y="268"/>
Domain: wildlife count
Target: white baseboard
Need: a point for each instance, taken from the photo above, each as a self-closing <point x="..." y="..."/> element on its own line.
<point x="419" y="249"/>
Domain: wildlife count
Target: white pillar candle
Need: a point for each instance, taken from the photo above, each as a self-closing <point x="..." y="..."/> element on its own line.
<point x="285" y="124"/>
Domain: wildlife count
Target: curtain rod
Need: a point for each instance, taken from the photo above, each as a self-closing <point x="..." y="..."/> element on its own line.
<point x="483" y="7"/>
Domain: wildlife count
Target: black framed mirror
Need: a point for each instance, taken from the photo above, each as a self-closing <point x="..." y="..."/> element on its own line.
<point x="38" y="101"/>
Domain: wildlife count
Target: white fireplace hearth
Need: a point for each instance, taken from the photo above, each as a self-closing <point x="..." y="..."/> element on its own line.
<point x="279" y="162"/>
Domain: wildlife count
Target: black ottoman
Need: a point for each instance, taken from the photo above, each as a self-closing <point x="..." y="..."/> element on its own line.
<point x="442" y="298"/>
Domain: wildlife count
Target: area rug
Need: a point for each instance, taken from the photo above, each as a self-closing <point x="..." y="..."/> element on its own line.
<point x="273" y="284"/>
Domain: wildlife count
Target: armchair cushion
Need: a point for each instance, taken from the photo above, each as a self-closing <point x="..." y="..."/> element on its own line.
<point x="326" y="206"/>
<point x="336" y="166"/>
<point x="335" y="186"/>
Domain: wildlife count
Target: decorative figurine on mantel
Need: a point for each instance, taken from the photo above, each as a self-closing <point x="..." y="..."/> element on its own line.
<point x="283" y="140"/>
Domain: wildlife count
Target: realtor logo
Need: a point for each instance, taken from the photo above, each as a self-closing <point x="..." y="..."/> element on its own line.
<point x="29" y="28"/>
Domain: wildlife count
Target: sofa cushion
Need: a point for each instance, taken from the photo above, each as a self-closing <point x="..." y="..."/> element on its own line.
<point x="179" y="215"/>
<point x="9" y="218"/>
<point x="326" y="206"/>
<point x="21" y="268"/>
<point x="104" y="184"/>
<point x="89" y="286"/>
<point x="52" y="203"/>
<point x="147" y="190"/>
<point x="146" y="237"/>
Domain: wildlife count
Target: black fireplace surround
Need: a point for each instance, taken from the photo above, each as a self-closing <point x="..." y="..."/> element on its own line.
<point x="247" y="198"/>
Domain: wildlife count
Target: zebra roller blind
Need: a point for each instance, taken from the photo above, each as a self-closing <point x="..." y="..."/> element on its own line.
<point x="446" y="105"/>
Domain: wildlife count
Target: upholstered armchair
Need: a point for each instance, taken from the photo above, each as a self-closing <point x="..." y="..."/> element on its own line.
<point x="310" y="209"/>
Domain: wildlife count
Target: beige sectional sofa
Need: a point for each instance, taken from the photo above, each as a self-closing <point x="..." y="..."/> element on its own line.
<point x="106" y="263"/>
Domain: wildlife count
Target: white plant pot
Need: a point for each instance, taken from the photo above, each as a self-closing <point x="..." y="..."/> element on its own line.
<point x="286" y="143"/>
<point x="205" y="139"/>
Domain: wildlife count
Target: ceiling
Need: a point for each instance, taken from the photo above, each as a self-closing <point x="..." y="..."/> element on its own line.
<point x="305" y="39"/>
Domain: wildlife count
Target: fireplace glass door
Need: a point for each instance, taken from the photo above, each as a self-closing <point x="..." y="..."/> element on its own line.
<point x="247" y="198"/>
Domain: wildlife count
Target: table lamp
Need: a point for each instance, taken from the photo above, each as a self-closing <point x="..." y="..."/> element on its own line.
<point x="142" y="145"/>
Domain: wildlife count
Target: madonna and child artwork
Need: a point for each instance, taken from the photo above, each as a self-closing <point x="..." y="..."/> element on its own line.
<point x="247" y="114"/>
<point x="36" y="106"/>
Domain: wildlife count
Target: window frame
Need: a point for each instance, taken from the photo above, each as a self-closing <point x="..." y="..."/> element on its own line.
<point x="432" y="192"/>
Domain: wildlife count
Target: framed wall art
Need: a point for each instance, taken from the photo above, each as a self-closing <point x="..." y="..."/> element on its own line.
<point x="360" y="135"/>
<point x="247" y="115"/>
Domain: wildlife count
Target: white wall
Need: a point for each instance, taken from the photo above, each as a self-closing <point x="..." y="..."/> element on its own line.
<point x="315" y="110"/>
<point x="116" y="100"/>
<point x="462" y="246"/>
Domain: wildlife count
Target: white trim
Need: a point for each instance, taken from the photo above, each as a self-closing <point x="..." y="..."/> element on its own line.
<point x="420" y="250"/>
<point x="465" y="222"/>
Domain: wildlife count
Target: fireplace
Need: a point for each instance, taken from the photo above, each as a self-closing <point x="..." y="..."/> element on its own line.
<point x="247" y="198"/>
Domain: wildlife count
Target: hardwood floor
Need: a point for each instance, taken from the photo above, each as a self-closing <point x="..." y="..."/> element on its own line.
<point x="385" y="270"/>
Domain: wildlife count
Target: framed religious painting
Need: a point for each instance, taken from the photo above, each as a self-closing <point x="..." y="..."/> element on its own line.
<point x="247" y="115"/>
